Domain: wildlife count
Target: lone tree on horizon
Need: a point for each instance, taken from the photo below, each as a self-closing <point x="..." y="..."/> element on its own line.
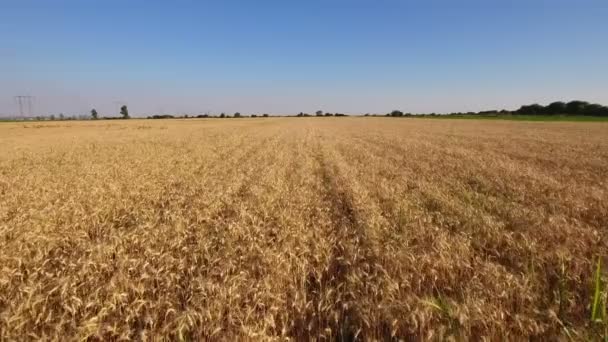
<point x="94" y="114"/>
<point x="124" y="112"/>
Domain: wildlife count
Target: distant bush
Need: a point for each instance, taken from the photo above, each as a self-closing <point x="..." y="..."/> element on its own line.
<point x="165" y="116"/>
<point x="489" y="112"/>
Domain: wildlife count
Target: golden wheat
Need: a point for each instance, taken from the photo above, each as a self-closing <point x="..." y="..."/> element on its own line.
<point x="277" y="228"/>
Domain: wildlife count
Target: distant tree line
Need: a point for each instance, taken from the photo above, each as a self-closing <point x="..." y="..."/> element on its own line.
<point x="124" y="114"/>
<point x="161" y="117"/>
<point x="94" y="115"/>
<point x="238" y="115"/>
<point x="559" y="108"/>
<point x="320" y="113"/>
<point x="563" y="108"/>
<point x="204" y="116"/>
<point x="556" y="108"/>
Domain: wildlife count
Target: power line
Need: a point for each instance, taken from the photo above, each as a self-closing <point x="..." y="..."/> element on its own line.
<point x="24" y="100"/>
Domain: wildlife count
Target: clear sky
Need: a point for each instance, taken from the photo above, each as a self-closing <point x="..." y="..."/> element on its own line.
<point x="283" y="57"/>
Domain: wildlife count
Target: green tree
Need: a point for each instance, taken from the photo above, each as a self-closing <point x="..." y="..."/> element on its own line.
<point x="576" y="107"/>
<point x="124" y="112"/>
<point x="556" y="108"/>
<point x="319" y="113"/>
<point x="594" y="109"/>
<point x="533" y="109"/>
<point x="94" y="114"/>
<point x="237" y="115"/>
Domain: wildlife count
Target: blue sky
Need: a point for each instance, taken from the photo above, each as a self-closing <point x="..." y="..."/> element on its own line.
<point x="284" y="57"/>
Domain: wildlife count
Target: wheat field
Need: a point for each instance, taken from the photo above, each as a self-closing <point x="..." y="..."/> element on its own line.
<point x="301" y="228"/>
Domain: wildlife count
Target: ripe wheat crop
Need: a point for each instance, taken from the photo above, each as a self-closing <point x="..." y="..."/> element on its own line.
<point x="311" y="228"/>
